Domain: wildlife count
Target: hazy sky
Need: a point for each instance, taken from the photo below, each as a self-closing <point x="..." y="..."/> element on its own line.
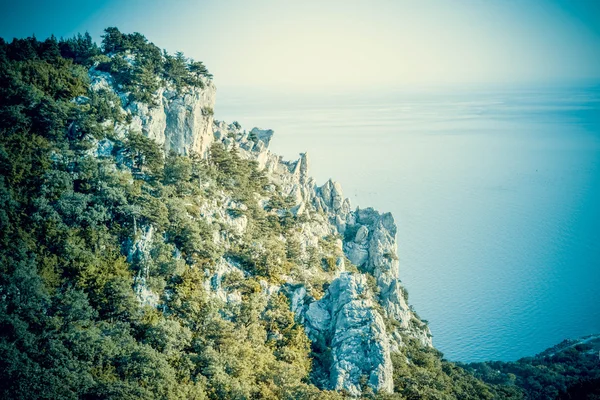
<point x="345" y="43"/>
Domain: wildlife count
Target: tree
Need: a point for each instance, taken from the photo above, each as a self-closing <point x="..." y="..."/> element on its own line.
<point x="48" y="50"/>
<point x="113" y="41"/>
<point x="143" y="153"/>
<point x="80" y="48"/>
<point x="175" y="69"/>
<point x="197" y="67"/>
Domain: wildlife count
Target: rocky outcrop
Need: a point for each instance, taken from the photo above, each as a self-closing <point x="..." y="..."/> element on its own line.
<point x="371" y="245"/>
<point x="350" y="316"/>
<point x="343" y="283"/>
<point x="214" y="282"/>
<point x="139" y="256"/>
<point x="261" y="138"/>
<point x="347" y="320"/>
<point x="180" y="121"/>
<point x="330" y="198"/>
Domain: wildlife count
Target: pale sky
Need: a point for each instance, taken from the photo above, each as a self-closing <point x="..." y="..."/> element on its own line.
<point x="301" y="44"/>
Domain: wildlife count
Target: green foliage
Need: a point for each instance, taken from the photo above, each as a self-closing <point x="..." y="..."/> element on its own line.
<point x="176" y="71"/>
<point x="198" y="68"/>
<point x="421" y="373"/>
<point x="194" y="238"/>
<point x="178" y="170"/>
<point x="104" y="106"/>
<point x="72" y="326"/>
<point x="566" y="372"/>
<point x="206" y="111"/>
<point x="61" y="80"/>
<point x="80" y="48"/>
<point x="139" y="67"/>
<point x="144" y="154"/>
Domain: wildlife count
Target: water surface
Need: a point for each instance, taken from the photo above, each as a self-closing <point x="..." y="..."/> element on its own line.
<point x="496" y="193"/>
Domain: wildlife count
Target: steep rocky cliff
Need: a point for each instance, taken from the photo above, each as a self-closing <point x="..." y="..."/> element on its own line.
<point x="363" y="314"/>
<point x="350" y="317"/>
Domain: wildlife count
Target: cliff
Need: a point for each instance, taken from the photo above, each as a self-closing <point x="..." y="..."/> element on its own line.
<point x="350" y="317"/>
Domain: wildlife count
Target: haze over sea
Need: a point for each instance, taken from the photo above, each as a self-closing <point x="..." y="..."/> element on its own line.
<point x="496" y="193"/>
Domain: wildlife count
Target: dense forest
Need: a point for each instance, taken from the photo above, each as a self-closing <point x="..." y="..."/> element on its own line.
<point x="71" y="323"/>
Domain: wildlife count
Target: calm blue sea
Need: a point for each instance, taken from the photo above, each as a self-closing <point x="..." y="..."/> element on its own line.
<point x="496" y="193"/>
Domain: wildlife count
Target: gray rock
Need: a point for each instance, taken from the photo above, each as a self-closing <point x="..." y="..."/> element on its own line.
<point x="300" y="169"/>
<point x="79" y="100"/>
<point x="346" y="319"/>
<point x="374" y="249"/>
<point x="297" y="300"/>
<point x="298" y="209"/>
<point x="139" y="255"/>
<point x="104" y="148"/>
<point x="318" y="317"/>
<point x="259" y="147"/>
<point x="180" y="121"/>
<point x="340" y="224"/>
<point x="337" y="197"/>
<point x="361" y="234"/>
<point x="188" y="125"/>
<point x="214" y="282"/>
<point x="333" y="198"/>
<point x="247" y="146"/>
<point x="100" y="80"/>
<point x="262" y="136"/>
<point x="326" y="192"/>
<point x="356" y="253"/>
<point x="340" y="264"/>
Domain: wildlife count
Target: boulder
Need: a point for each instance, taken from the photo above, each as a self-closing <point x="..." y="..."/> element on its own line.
<point x="262" y="136"/>
<point x="361" y="234"/>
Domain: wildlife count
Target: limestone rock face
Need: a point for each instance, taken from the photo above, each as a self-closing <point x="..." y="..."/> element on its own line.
<point x="214" y="282"/>
<point x="350" y="317"/>
<point x="374" y="251"/>
<point x="262" y="137"/>
<point x="180" y="121"/>
<point x="139" y="254"/>
<point x="346" y="318"/>
<point x="331" y="198"/>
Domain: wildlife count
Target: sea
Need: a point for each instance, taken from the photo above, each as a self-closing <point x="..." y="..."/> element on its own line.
<point x="495" y="190"/>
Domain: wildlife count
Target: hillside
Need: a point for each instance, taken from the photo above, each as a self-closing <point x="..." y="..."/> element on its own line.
<point x="148" y="251"/>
